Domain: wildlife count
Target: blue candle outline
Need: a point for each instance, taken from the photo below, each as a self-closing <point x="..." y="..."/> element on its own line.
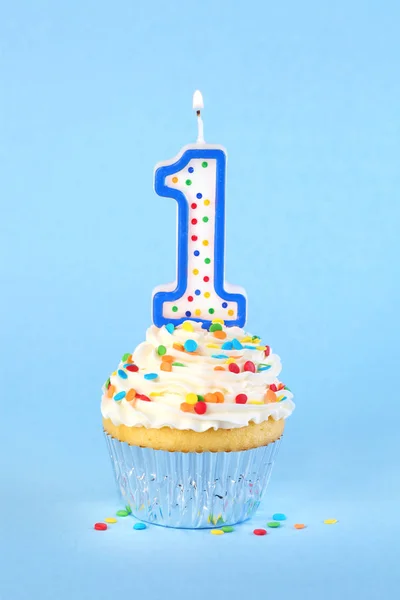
<point x="160" y="297"/>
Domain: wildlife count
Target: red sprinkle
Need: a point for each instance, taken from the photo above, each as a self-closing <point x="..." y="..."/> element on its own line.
<point x="234" y="368"/>
<point x="241" y="399"/>
<point x="143" y="397"/>
<point x="132" y="368"/>
<point x="249" y="366"/>
<point x="260" y="532"/>
<point x="267" y="351"/>
<point x="100" y="526"/>
<point x="200" y="408"/>
<point x="273" y="387"/>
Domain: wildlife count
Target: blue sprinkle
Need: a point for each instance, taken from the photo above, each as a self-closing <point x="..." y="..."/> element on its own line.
<point x="263" y="367"/>
<point x="279" y="517"/>
<point x="190" y="169"/>
<point x="196" y="253"/>
<point x="139" y="526"/>
<point x="119" y="396"/>
<point x="199" y="196"/>
<point x="122" y="374"/>
<point x="151" y="376"/>
<point x="197" y="292"/>
<point x="227" y="346"/>
<point x="190" y="346"/>
<point x="188" y="313"/>
<point x="250" y="347"/>
<point x="224" y="305"/>
<point x="170" y="327"/>
<point x="219" y="356"/>
<point x="282" y="399"/>
<point x="236" y="344"/>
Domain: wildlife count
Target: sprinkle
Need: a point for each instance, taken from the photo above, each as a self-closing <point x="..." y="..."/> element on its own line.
<point x="261" y="348"/>
<point x="178" y="346"/>
<point x="217" y="531"/>
<point x="110" y="391"/>
<point x="119" y="396"/>
<point x="236" y="344"/>
<point x="190" y="346"/>
<point x="170" y="327"/>
<point x="200" y="398"/>
<point x="185" y="407"/>
<point x="230" y="360"/>
<point x="279" y="517"/>
<point x="249" y="347"/>
<point x="122" y="513"/>
<point x="114" y="373"/>
<point x="155" y="394"/>
<point x="299" y="526"/>
<point x="249" y="366"/>
<point x="219" y="368"/>
<point x="110" y="520"/>
<point x="139" y="526"/>
<point x="215" y="327"/>
<point x="241" y="399"/>
<point x="219" y="356"/>
<point x="168" y="358"/>
<point x="143" y="397"/>
<point x="130" y="395"/>
<point x="132" y="368"/>
<point x="255" y="402"/>
<point x="212" y="346"/>
<point x="273" y="524"/>
<point x="161" y="350"/>
<point x="280" y="398"/>
<point x="262" y="367"/>
<point x="220" y="397"/>
<point x="191" y="398"/>
<point x="273" y="387"/>
<point x="227" y="346"/>
<point x="270" y="397"/>
<point x="100" y="526"/>
<point x="330" y="521"/>
<point x="287" y="389"/>
<point x="211" y="398"/>
<point x="166" y="366"/>
<point x="200" y="408"/>
<point x="256" y="339"/>
<point x="122" y="374"/>
<point x="227" y="529"/>
<point x="188" y="326"/>
<point x="234" y="368"/>
<point x="220" y="335"/>
<point x="267" y="351"/>
<point x="178" y="364"/>
<point x="126" y="357"/>
<point x="260" y="532"/>
<point x="107" y="384"/>
<point x="246" y="339"/>
<point x="151" y="376"/>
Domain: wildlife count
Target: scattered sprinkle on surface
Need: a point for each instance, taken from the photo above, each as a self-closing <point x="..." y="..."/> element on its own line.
<point x="139" y="526"/>
<point x="217" y="531"/>
<point x="273" y="524"/>
<point x="330" y="521"/>
<point x="279" y="517"/>
<point x="299" y="526"/>
<point x="122" y="513"/>
<point x="100" y="526"/>
<point x="260" y="532"/>
<point x="227" y="529"/>
<point x="110" y="520"/>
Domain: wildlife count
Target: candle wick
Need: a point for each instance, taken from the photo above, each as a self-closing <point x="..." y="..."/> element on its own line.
<point x="198" y="104"/>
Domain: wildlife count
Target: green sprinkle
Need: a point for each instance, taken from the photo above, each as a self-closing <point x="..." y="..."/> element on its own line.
<point x="273" y="524"/>
<point x="174" y="308"/>
<point x="207" y="261"/>
<point x="216" y="327"/>
<point x="122" y="513"/>
<point x="178" y="364"/>
<point x="220" y="520"/>
<point x="188" y="182"/>
<point x="107" y="384"/>
<point x="204" y="164"/>
<point x="128" y="509"/>
<point x="161" y="350"/>
<point x="205" y="219"/>
<point x="227" y="529"/>
<point x="286" y="388"/>
<point x="200" y="398"/>
<point x="126" y="356"/>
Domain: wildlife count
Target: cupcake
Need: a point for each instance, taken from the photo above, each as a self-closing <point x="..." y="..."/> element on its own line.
<point x="193" y="419"/>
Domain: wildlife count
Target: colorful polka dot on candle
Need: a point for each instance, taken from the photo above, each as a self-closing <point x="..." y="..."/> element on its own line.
<point x="211" y="311"/>
<point x="195" y="272"/>
<point x="188" y="313"/>
<point x="205" y="219"/>
<point x="197" y="292"/>
<point x="194" y="221"/>
<point x="199" y="196"/>
<point x="188" y="182"/>
<point x="207" y="261"/>
<point x="206" y="294"/>
<point x="197" y="312"/>
<point x="206" y="278"/>
<point x="190" y="169"/>
<point x="174" y="309"/>
<point x="205" y="242"/>
<point x="174" y="180"/>
<point x="231" y="312"/>
<point x="206" y="203"/>
<point x="196" y="253"/>
<point x="190" y="298"/>
<point x="204" y="164"/>
<point x="193" y="205"/>
<point x="224" y="305"/>
<point x="194" y="238"/>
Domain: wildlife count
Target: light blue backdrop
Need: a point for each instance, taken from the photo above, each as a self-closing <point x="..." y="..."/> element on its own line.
<point x="305" y="96"/>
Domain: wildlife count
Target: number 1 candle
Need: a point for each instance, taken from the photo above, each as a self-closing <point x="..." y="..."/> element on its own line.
<point x="196" y="180"/>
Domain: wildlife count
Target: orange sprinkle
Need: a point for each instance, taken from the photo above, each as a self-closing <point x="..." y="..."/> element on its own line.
<point x="269" y="397"/>
<point x="130" y="395"/>
<point x="167" y="358"/>
<point x="299" y="526"/>
<point x="178" y="346"/>
<point x="110" y="391"/>
<point x="211" y="398"/>
<point x="219" y="369"/>
<point x="221" y="335"/>
<point x="220" y="397"/>
<point x="166" y="366"/>
<point x="185" y="407"/>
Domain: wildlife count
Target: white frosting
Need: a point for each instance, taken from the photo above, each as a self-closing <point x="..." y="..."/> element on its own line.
<point x="168" y="391"/>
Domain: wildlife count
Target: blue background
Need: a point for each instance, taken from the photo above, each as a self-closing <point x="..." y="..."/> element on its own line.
<point x="305" y="96"/>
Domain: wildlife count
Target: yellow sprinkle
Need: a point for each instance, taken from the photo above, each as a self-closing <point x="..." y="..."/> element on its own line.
<point x="255" y="402"/>
<point x="191" y="398"/>
<point x="246" y="339"/>
<point x="330" y="521"/>
<point x="221" y="321"/>
<point x="114" y="373"/>
<point x="206" y="294"/>
<point x="110" y="520"/>
<point x="188" y="326"/>
<point x="229" y="361"/>
<point x="212" y="346"/>
<point x="261" y="348"/>
<point x="217" y="531"/>
<point x="156" y="394"/>
<point x="256" y="341"/>
<point x="280" y="398"/>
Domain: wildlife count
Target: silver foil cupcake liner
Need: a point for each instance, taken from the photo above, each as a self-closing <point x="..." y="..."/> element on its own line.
<point x="191" y="490"/>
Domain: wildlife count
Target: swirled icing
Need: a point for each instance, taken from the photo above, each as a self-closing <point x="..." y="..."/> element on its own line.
<point x="158" y="401"/>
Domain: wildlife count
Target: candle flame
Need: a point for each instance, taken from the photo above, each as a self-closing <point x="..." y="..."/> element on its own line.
<point x="198" y="102"/>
